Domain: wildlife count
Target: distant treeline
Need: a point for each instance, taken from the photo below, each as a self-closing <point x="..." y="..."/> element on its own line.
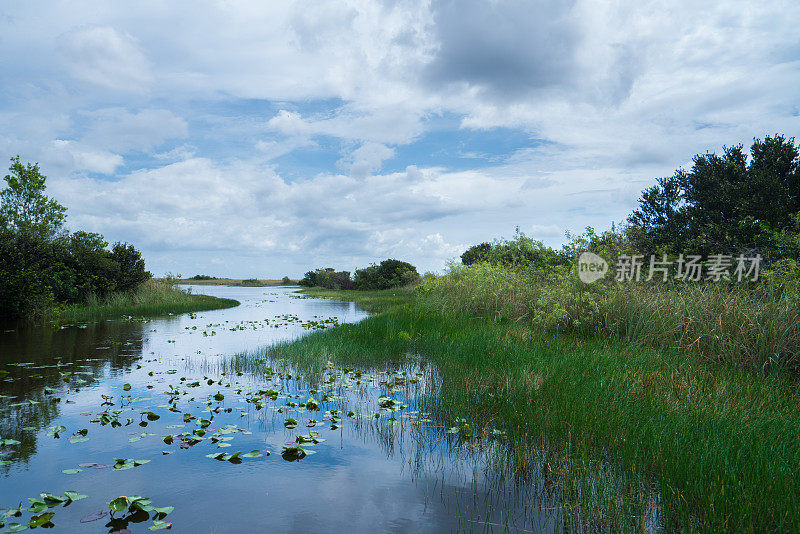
<point x="386" y="275"/>
<point x="726" y="208"/>
<point x="42" y="264"/>
<point x="725" y="204"/>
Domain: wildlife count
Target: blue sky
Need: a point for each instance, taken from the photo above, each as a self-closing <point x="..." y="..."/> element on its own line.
<point x="260" y="139"/>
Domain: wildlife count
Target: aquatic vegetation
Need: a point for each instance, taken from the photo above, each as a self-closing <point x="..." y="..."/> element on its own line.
<point x="39" y="506"/>
<point x="150" y="299"/>
<point x="586" y="401"/>
<point x="340" y="394"/>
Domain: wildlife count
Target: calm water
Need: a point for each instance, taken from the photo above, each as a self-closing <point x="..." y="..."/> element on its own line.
<point x="385" y="466"/>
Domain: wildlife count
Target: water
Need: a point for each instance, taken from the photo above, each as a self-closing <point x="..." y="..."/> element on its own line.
<point x="400" y="471"/>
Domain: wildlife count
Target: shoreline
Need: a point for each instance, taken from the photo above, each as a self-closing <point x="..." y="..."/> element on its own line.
<point x="149" y="301"/>
<point x="705" y="434"/>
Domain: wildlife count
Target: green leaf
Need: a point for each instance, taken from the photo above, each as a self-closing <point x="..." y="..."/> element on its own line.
<point x="160" y="525"/>
<point x="165" y="510"/>
<point x="41" y="519"/>
<point x="71" y="471"/>
<point x="126" y="387"/>
<point x="74" y="495"/>
<point x="253" y="454"/>
<point x="16" y="527"/>
<point x="37" y="507"/>
<point x="120" y="504"/>
<point x="49" y="498"/>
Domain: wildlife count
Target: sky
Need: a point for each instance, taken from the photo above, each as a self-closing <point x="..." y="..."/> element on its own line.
<point x="267" y="138"/>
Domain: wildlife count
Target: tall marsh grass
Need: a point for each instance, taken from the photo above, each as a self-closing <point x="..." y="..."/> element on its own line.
<point x="753" y="327"/>
<point x="154" y="297"/>
<point x="719" y="444"/>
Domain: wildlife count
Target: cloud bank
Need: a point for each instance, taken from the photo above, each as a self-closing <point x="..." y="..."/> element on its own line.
<point x="262" y="139"/>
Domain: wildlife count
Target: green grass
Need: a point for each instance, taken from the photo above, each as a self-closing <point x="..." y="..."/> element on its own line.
<point x="152" y="298"/>
<point x="719" y="442"/>
<point x="372" y="301"/>
<point x="754" y="327"/>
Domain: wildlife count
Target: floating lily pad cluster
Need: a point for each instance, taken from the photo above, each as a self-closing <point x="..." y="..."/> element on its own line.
<point x="194" y="412"/>
<point x="40" y="510"/>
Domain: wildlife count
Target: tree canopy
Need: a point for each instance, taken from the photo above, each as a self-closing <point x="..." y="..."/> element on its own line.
<point x="728" y="201"/>
<point x="42" y="264"/>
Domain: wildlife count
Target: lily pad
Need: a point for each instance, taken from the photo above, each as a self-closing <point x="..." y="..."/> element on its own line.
<point x="74" y="495"/>
<point x="41" y="519"/>
<point x="120" y="504"/>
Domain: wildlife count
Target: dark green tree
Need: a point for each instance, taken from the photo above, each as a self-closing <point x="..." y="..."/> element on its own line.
<point x="130" y="271"/>
<point x="388" y="274"/>
<point x="24" y="208"/>
<point x="476" y="253"/>
<point x="660" y="222"/>
<point x="724" y="203"/>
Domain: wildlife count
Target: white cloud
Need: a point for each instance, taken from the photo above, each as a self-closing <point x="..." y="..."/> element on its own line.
<point x="104" y="56"/>
<point x="207" y="103"/>
<point x="85" y="158"/>
<point x="119" y="129"/>
<point x="367" y="158"/>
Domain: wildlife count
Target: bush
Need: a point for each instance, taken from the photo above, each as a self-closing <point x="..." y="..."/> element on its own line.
<point x="476" y="253"/>
<point x="41" y="264"/>
<point x="756" y="327"/>
<point x="327" y="278"/>
<point x="521" y="251"/>
<point x="388" y="274"/>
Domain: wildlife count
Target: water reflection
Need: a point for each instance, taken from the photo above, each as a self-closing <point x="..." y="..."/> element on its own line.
<point x="164" y="402"/>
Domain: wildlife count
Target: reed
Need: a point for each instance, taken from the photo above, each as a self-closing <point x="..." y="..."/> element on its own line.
<point x="717" y="442"/>
<point x="151" y="298"/>
<point x="754" y="327"/>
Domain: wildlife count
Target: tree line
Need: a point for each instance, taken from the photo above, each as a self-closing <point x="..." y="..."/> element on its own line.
<point x="41" y="263"/>
<point x="729" y="203"/>
<point x="386" y="275"/>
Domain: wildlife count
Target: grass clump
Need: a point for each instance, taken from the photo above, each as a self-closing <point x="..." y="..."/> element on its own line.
<point x="718" y="443"/>
<point x="377" y="300"/>
<point x="754" y="327"/>
<point x="151" y="298"/>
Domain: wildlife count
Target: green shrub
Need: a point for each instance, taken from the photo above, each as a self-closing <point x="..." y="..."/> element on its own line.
<point x="388" y="274"/>
<point x="754" y="327"/>
<point x="327" y="278"/>
<point x="202" y="277"/>
<point x="41" y="264"/>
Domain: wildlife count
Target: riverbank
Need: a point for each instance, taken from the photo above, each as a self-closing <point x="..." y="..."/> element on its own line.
<point x="373" y="301"/>
<point x="234" y="282"/>
<point x="717" y="442"/>
<point x="152" y="298"/>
